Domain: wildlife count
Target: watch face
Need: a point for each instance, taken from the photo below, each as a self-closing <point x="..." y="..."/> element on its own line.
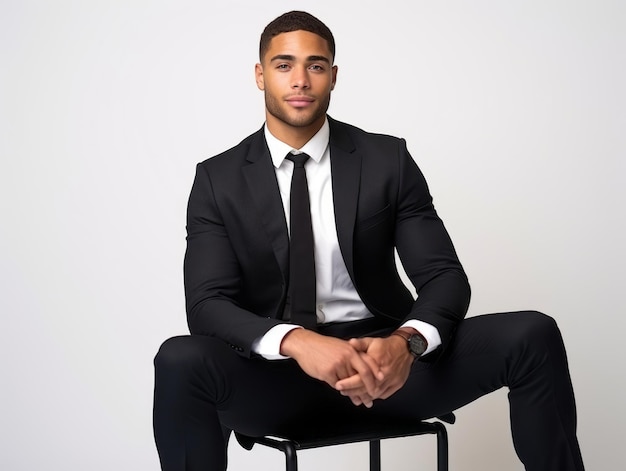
<point x="417" y="345"/>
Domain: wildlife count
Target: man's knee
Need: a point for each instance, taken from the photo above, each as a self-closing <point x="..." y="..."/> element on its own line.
<point x="172" y="353"/>
<point x="538" y="328"/>
<point x="183" y="352"/>
<point x="190" y="354"/>
<point x="536" y="337"/>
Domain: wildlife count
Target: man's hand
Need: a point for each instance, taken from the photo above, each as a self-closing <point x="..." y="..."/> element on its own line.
<point x="331" y="360"/>
<point x="394" y="359"/>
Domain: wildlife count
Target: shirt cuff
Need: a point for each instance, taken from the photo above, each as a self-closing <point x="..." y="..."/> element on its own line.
<point x="428" y="331"/>
<point x="268" y="346"/>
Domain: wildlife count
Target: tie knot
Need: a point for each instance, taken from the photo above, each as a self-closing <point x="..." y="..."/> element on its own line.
<point x="298" y="159"/>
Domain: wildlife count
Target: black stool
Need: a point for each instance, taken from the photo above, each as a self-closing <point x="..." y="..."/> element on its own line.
<point x="372" y="433"/>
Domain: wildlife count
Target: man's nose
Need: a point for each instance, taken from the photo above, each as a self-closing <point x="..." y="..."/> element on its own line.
<point x="300" y="78"/>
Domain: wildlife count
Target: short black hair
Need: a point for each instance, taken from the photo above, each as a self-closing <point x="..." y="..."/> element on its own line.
<point x="295" y="21"/>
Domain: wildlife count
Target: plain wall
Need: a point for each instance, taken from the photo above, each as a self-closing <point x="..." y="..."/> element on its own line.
<point x="514" y="110"/>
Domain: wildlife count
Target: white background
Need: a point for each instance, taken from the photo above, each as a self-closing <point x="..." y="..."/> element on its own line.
<point x="514" y="110"/>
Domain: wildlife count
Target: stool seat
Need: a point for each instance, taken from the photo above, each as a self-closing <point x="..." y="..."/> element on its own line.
<point x="370" y="431"/>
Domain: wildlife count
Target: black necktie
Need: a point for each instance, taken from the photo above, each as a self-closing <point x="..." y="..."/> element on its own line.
<point x="301" y="252"/>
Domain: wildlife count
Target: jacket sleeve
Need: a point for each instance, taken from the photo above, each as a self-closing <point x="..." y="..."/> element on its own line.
<point x="427" y="254"/>
<point x="212" y="274"/>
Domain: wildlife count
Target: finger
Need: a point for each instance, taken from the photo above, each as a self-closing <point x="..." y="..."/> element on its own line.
<point x="362" y="399"/>
<point x="360" y="344"/>
<point x="367" y="373"/>
<point x="350" y="385"/>
<point x="354" y="389"/>
<point x="363" y="345"/>
<point x="374" y="366"/>
<point x="366" y="400"/>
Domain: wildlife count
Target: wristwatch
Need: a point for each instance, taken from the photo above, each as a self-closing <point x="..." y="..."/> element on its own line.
<point x="416" y="343"/>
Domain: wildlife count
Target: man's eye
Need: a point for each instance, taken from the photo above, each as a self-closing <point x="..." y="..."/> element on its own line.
<point x="316" y="67"/>
<point x="282" y="66"/>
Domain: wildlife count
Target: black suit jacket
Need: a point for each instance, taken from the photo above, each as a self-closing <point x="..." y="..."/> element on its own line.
<point x="237" y="259"/>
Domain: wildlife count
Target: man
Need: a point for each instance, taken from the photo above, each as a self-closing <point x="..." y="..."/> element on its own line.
<point x="269" y="354"/>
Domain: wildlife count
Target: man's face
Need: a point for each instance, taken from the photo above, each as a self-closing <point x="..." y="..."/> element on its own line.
<point x="297" y="77"/>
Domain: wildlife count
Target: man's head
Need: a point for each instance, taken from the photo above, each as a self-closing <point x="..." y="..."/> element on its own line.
<point x="296" y="74"/>
<point x="295" y="21"/>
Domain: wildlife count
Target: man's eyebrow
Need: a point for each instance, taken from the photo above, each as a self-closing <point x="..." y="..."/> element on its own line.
<point x="283" y="57"/>
<point x="288" y="57"/>
<point x="318" y="59"/>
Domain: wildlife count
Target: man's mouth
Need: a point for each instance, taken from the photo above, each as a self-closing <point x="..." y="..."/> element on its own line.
<point x="300" y="101"/>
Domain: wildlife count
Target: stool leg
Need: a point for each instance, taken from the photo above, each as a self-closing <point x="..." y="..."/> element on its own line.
<point x="442" y="447"/>
<point x="291" y="459"/>
<point x="374" y="455"/>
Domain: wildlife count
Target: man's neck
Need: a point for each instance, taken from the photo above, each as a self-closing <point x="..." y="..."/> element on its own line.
<point x="294" y="136"/>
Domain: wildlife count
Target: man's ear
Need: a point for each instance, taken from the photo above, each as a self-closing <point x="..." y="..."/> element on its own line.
<point x="334" y="71"/>
<point x="258" y="75"/>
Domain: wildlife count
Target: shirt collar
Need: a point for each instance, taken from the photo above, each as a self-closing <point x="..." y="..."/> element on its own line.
<point x="315" y="147"/>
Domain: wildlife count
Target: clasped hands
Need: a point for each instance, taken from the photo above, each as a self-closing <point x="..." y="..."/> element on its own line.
<point x="364" y="369"/>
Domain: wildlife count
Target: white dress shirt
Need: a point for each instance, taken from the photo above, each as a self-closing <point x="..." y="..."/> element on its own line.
<point x="337" y="298"/>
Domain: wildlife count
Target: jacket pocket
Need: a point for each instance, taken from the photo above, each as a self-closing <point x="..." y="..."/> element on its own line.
<point x="374" y="219"/>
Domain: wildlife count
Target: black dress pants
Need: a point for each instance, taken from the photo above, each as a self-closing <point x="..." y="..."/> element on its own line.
<point x="203" y="389"/>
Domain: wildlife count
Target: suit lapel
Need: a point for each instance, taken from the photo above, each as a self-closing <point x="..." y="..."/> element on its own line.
<point x="346" y="177"/>
<point x="261" y="179"/>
